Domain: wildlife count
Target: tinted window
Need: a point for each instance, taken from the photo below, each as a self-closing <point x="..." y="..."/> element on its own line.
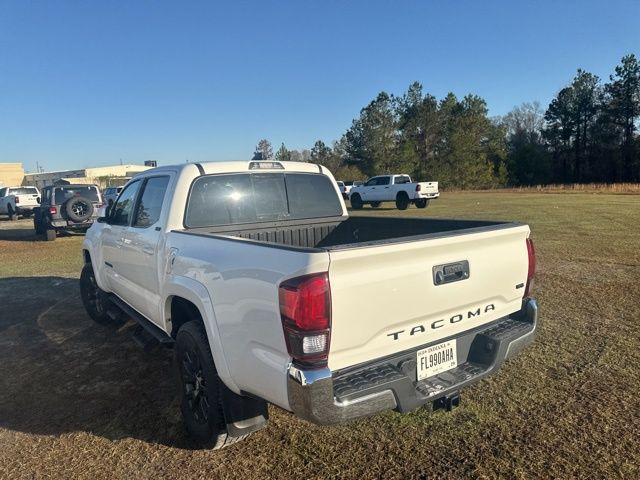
<point x="150" y="204"/>
<point x="312" y="196"/>
<point x="260" y="197"/>
<point x="3" y="192"/>
<point x="384" y="180"/>
<point x="123" y="208"/>
<point x="65" y="193"/>
<point x="371" y="182"/>
<point x="402" y="179"/>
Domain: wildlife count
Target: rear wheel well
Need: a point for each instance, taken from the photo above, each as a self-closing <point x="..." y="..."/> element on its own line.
<point x="402" y="195"/>
<point x="87" y="256"/>
<point x="182" y="311"/>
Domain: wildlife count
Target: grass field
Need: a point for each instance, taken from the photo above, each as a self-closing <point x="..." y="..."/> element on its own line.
<point x="80" y="401"/>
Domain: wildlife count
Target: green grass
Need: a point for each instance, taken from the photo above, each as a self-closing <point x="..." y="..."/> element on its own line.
<point x="567" y="407"/>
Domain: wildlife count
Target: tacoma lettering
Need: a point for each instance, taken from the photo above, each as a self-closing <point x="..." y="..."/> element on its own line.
<point x="441" y="322"/>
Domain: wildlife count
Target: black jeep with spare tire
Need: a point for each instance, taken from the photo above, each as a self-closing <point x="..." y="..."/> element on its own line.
<point x="66" y="208"/>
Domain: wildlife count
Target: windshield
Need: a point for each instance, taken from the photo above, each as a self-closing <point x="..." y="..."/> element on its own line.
<point x="65" y="193"/>
<point x="217" y="200"/>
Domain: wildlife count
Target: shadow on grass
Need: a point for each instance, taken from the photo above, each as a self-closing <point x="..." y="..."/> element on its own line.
<point x="63" y="373"/>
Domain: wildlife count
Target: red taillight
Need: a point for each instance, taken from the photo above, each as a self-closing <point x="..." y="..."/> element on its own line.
<point x="305" y="310"/>
<point x="53" y="210"/>
<point x="17" y="199"/>
<point x="531" y="254"/>
<point x="418" y="188"/>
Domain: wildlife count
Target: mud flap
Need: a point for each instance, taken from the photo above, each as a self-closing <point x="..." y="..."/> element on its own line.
<point x="243" y="414"/>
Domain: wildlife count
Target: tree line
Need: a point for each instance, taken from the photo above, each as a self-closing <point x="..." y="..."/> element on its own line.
<point x="588" y="133"/>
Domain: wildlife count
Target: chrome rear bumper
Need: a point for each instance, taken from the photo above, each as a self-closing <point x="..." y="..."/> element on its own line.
<point x="324" y="397"/>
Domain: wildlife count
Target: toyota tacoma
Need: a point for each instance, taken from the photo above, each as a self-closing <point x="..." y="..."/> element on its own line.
<point x="269" y="292"/>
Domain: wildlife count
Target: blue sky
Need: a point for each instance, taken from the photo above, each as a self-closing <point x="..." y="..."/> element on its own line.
<point x="91" y="82"/>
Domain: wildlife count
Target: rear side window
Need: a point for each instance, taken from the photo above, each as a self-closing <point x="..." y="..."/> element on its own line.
<point x="150" y="204"/>
<point x="402" y="179"/>
<point x="65" y="193"/>
<point x="217" y="200"/>
<point x="3" y="192"/>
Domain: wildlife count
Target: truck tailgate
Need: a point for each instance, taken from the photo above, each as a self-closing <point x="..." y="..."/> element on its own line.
<point x="385" y="298"/>
<point x="428" y="187"/>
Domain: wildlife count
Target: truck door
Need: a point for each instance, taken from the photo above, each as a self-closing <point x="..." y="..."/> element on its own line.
<point x="368" y="190"/>
<point x="380" y="191"/>
<point x="143" y="264"/>
<point x="113" y="237"/>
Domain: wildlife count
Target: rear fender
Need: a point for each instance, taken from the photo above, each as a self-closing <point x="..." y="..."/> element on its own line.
<point x="196" y="293"/>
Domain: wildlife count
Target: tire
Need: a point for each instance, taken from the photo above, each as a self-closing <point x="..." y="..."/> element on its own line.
<point x="78" y="209"/>
<point x="11" y="213"/>
<point x="422" y="202"/>
<point x="50" y="234"/>
<point x="356" y="201"/>
<point x="201" y="389"/>
<point x="37" y="225"/>
<point x="375" y="204"/>
<point x="94" y="299"/>
<point x="402" y="201"/>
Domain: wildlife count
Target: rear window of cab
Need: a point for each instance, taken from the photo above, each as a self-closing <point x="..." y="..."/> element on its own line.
<point x="232" y="199"/>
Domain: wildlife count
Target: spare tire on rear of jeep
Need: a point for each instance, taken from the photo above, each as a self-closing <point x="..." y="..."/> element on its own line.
<point x="78" y="209"/>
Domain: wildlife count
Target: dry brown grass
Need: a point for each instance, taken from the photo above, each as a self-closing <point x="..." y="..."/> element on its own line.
<point x="78" y="401"/>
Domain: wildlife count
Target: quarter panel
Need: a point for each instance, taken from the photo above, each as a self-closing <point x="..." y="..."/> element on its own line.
<point x="242" y="280"/>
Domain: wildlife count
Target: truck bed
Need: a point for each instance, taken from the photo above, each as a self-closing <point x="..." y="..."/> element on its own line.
<point x="339" y="233"/>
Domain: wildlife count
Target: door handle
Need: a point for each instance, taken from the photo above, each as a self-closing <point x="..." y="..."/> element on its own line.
<point x="148" y="250"/>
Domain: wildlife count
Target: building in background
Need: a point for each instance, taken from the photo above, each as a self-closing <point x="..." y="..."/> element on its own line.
<point x="11" y="174"/>
<point x="114" y="175"/>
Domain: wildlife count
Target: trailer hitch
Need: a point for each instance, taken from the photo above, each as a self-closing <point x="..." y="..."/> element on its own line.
<point x="447" y="403"/>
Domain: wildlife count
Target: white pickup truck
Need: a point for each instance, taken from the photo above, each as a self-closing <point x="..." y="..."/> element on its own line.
<point x="270" y="293"/>
<point x="393" y="188"/>
<point x="15" y="201"/>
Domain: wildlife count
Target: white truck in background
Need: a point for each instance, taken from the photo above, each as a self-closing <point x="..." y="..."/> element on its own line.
<point x="393" y="188"/>
<point x="18" y="201"/>
<point x="269" y="292"/>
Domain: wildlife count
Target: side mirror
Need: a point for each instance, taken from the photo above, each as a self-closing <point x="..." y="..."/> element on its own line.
<point x="38" y="200"/>
<point x="103" y="214"/>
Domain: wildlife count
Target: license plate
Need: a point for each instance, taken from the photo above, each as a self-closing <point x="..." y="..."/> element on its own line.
<point x="436" y="359"/>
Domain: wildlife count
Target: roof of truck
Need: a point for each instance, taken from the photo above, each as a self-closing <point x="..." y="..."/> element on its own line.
<point x="235" y="166"/>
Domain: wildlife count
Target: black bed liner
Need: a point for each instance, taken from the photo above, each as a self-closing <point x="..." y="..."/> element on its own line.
<point x="345" y="232"/>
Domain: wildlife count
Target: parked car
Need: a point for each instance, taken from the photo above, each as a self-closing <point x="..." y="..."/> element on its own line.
<point x="393" y="188"/>
<point x="344" y="189"/>
<point x="110" y="195"/>
<point x="269" y="292"/>
<point x="18" y="201"/>
<point x="66" y="208"/>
